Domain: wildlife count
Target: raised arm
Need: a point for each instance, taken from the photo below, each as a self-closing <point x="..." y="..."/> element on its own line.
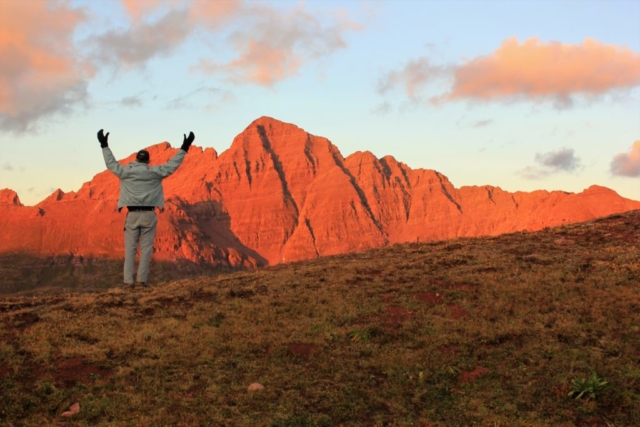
<point x="170" y="167"/>
<point x="109" y="160"/>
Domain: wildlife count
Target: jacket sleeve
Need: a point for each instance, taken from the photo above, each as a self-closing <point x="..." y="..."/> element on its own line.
<point x="112" y="163"/>
<point x="170" y="167"/>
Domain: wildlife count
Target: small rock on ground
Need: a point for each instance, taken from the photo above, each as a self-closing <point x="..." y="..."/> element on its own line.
<point x="255" y="386"/>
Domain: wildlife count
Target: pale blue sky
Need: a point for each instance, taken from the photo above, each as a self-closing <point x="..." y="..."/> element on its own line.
<point x="337" y="90"/>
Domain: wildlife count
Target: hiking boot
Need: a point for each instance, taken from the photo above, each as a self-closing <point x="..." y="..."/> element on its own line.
<point x="143" y="285"/>
<point x="127" y="286"/>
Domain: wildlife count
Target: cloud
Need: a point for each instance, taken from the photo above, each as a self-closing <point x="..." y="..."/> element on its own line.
<point x="214" y="14"/>
<point x="462" y="123"/>
<point x="7" y="167"/>
<point x="131" y="101"/>
<point x="563" y="160"/>
<point x="145" y="39"/>
<point x="138" y="8"/>
<point x="139" y="43"/>
<point x="627" y="164"/>
<point x="412" y="77"/>
<point x="41" y="73"/>
<point x="44" y="74"/>
<point x="382" y="109"/>
<point x="183" y="100"/>
<point x="272" y="44"/>
<point x="531" y="70"/>
<point x="556" y="71"/>
<point x="135" y="8"/>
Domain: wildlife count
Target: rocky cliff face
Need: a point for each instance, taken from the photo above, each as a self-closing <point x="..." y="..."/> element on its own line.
<point x="279" y="194"/>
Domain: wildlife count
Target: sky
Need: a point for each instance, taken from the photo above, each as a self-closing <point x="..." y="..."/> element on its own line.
<point x="521" y="95"/>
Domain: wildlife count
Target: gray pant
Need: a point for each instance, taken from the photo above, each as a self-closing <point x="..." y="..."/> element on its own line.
<point x="140" y="226"/>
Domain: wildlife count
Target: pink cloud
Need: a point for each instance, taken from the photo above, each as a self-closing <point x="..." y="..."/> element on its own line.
<point x="273" y="44"/>
<point x="137" y="8"/>
<point x="627" y="164"/>
<point x="215" y="13"/>
<point x="555" y="70"/>
<point x="40" y="73"/>
<point x="270" y="43"/>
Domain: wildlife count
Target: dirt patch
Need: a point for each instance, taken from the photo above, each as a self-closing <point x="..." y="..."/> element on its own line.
<point x="4" y="370"/>
<point x="472" y="376"/>
<point x="457" y="312"/>
<point x="69" y="372"/>
<point x="396" y="315"/>
<point x="304" y="350"/>
<point x="431" y="298"/>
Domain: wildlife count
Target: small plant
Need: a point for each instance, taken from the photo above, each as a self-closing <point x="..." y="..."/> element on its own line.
<point x="363" y="335"/>
<point x="590" y="387"/>
<point x="46" y="388"/>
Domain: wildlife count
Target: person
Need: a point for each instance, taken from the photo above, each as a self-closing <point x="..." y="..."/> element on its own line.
<point x="141" y="193"/>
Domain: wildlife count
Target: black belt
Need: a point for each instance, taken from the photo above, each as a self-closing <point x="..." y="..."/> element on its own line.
<point x="140" y="208"/>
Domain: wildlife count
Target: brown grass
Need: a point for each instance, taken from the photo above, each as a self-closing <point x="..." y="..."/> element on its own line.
<point x="484" y="331"/>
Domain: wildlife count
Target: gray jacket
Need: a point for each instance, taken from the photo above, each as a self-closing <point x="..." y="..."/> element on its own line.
<point x="141" y="184"/>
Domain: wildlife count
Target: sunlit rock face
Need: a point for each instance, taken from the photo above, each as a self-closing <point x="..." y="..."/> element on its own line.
<point x="279" y="194"/>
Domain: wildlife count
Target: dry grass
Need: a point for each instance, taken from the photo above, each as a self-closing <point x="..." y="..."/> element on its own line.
<point x="24" y="274"/>
<point x="484" y="331"/>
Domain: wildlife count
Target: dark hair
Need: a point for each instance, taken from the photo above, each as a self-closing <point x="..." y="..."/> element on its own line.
<point x="142" y="156"/>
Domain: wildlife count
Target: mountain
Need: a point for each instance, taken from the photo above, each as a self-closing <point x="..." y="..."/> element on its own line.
<point x="280" y="194"/>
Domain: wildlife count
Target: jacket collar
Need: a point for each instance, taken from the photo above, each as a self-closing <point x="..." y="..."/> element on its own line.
<point x="138" y="164"/>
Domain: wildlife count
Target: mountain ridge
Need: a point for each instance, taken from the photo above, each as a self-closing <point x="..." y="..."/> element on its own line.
<point x="280" y="194"/>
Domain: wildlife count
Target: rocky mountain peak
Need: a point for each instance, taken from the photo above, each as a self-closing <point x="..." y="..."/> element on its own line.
<point x="281" y="194"/>
<point x="9" y="197"/>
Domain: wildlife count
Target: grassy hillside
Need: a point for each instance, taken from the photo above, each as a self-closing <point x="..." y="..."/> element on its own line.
<point x="484" y="331"/>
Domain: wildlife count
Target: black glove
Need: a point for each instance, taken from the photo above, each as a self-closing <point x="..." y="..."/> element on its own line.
<point x="188" y="141"/>
<point x="103" y="139"/>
